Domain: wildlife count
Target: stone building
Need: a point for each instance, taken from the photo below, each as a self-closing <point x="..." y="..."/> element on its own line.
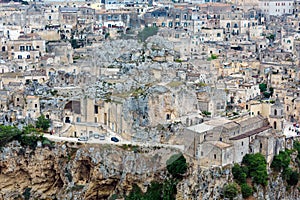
<point x="222" y="142"/>
<point x="213" y="101"/>
<point x="32" y="108"/>
<point x="146" y="108"/>
<point x="277" y="115"/>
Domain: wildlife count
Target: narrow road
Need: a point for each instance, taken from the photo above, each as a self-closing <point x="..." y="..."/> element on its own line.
<point x="107" y="140"/>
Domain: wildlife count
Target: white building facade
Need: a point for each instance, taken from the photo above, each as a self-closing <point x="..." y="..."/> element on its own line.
<point x="277" y="7"/>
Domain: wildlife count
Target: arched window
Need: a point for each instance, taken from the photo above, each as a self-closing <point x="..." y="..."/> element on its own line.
<point x="168" y="117"/>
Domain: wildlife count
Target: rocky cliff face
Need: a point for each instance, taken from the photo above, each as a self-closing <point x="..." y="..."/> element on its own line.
<point x="77" y="172"/>
<point x="73" y="171"/>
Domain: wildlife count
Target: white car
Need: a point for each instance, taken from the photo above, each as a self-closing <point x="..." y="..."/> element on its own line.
<point x="102" y="137"/>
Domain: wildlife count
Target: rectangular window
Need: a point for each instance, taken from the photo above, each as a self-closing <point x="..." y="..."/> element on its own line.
<point x="19" y="56"/>
<point x="96" y="109"/>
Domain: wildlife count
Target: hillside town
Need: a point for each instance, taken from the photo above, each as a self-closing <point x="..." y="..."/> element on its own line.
<point x="220" y="78"/>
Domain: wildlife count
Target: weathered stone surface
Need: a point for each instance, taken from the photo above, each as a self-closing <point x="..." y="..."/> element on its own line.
<point x="87" y="172"/>
<point x="68" y="171"/>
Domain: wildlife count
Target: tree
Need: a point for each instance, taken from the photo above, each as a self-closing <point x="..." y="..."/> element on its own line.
<point x="257" y="166"/>
<point x="230" y="191"/>
<point x="43" y="123"/>
<point x="263" y="87"/>
<point x="296" y="146"/>
<point x="246" y="190"/>
<point x="169" y="189"/>
<point x="293" y="179"/>
<point x="8" y="134"/>
<point x="154" y="191"/>
<point x="30" y="136"/>
<point x="176" y="165"/>
<point x="267" y="94"/>
<point x="290" y="176"/>
<point x="238" y="174"/>
<point x="281" y="161"/>
<point x="135" y="194"/>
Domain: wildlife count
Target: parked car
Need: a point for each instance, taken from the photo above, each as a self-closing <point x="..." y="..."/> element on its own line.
<point x="102" y="137"/>
<point x="114" y="139"/>
<point x="96" y="135"/>
<point x="83" y="138"/>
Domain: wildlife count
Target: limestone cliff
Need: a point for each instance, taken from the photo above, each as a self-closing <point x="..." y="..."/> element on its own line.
<point x="74" y="171"/>
<point x="69" y="171"/>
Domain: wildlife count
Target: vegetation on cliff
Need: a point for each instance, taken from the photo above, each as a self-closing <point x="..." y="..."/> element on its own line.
<point x="282" y="163"/>
<point x="43" y="123"/>
<point x="176" y="166"/>
<point x="254" y="167"/>
<point x="28" y="136"/>
<point x="230" y="191"/>
<point x="257" y="168"/>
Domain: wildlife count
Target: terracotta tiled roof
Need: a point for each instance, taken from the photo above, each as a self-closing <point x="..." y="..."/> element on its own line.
<point x="250" y="133"/>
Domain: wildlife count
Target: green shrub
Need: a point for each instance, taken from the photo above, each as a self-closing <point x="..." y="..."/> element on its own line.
<point x="281" y="161"/>
<point x="263" y="87"/>
<point x="297" y="147"/>
<point x="257" y="167"/>
<point x="26" y="193"/>
<point x="238" y="174"/>
<point x="291" y="177"/>
<point x="178" y="60"/>
<point x="267" y="94"/>
<point x="163" y="191"/>
<point x="154" y="191"/>
<point x="43" y="123"/>
<point x="246" y="190"/>
<point x="176" y="165"/>
<point x="213" y="56"/>
<point x="169" y="189"/>
<point x="135" y="194"/>
<point x="230" y="191"/>
<point x="8" y="134"/>
<point x="206" y="113"/>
